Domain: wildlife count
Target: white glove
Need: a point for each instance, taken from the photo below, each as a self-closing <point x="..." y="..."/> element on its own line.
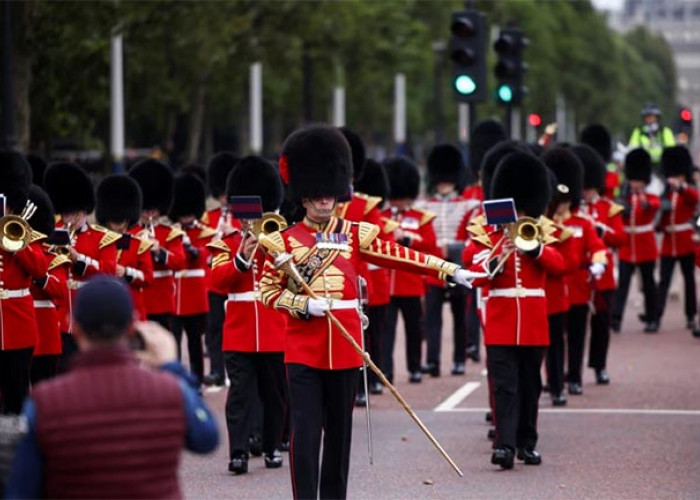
<point x="465" y="278"/>
<point x="597" y="269"/>
<point x="318" y="307"/>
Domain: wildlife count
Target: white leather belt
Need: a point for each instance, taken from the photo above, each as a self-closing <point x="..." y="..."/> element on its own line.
<point x="373" y="267"/>
<point x="43" y="304"/>
<point x="190" y="273"/>
<point x="337" y="305"/>
<point x="244" y="297"/>
<point x="647" y="228"/>
<point x="14" y="294"/>
<point x="162" y="274"/>
<point x="516" y="292"/>
<point x="677" y="228"/>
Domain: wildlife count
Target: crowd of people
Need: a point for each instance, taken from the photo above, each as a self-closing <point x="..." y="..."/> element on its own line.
<point x="355" y="245"/>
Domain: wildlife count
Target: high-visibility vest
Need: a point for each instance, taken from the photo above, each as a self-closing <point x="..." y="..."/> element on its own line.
<point x="653" y="145"/>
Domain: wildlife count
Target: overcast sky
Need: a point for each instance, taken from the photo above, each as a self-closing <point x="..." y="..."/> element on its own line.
<point x="608" y="4"/>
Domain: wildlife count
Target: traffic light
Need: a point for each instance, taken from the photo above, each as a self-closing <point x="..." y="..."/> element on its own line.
<point x="686" y="116"/>
<point x="534" y="120"/>
<point x="467" y="50"/>
<point x="510" y="68"/>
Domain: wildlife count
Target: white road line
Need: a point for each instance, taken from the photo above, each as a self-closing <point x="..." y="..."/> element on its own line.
<point x="457" y="397"/>
<point x="585" y="411"/>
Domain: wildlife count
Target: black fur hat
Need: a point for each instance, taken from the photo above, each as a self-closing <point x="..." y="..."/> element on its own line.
<point x="676" y="160"/>
<point x="374" y="181"/>
<point x="404" y="178"/>
<point x="485" y="135"/>
<point x="38" y="165"/>
<point x="492" y="159"/>
<point x="189" y="197"/>
<point x="15" y="179"/>
<point x="594" y="170"/>
<point x="220" y="165"/>
<point x="119" y="199"/>
<point x="196" y="169"/>
<point x="44" y="218"/>
<point x="156" y="182"/>
<point x="598" y="137"/>
<point x="524" y="178"/>
<point x="256" y="176"/>
<point x="316" y="161"/>
<point x="638" y="165"/>
<point x="359" y="155"/>
<point x="568" y="170"/>
<point x="445" y="164"/>
<point x="69" y="188"/>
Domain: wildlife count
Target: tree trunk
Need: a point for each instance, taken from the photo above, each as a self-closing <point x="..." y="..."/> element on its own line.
<point x="196" y="121"/>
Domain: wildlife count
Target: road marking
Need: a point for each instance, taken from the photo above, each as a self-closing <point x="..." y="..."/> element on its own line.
<point x="583" y="411"/>
<point x="457" y="397"/>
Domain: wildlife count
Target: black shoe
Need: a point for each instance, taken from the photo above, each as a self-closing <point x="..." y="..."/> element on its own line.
<point x="691" y="324"/>
<point x="213" y="379"/>
<point x="503" y="456"/>
<point x="284" y="445"/>
<point x="376" y="388"/>
<point x="558" y="400"/>
<point x="601" y="377"/>
<point x="642" y="318"/>
<point x="273" y="460"/>
<point x="696" y="332"/>
<point x="491" y="434"/>
<point x="415" y="378"/>
<point x="489" y="416"/>
<point x="530" y="456"/>
<point x="473" y="353"/>
<point x="575" y="389"/>
<point x="432" y="369"/>
<point x="545" y="388"/>
<point x="361" y="399"/>
<point x="255" y="445"/>
<point x="458" y="369"/>
<point x="615" y="325"/>
<point x="238" y="464"/>
<point x="652" y="327"/>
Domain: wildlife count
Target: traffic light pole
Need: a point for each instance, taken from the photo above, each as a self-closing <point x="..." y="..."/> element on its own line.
<point x="508" y="120"/>
<point x="8" y="119"/>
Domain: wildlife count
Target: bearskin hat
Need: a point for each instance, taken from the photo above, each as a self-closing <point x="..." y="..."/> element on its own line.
<point x="374" y="181"/>
<point x="568" y="170"/>
<point x="638" y="165"/>
<point x="598" y="137"/>
<point x="15" y="179"/>
<point x="676" y="160"/>
<point x="404" y="178"/>
<point x="316" y="161"/>
<point x="119" y="199"/>
<point x="44" y="218"/>
<point x="220" y="165"/>
<point x="197" y="170"/>
<point x="156" y="182"/>
<point x="69" y="188"/>
<point x="357" y="147"/>
<point x="189" y="197"/>
<point x="524" y="178"/>
<point x="492" y="159"/>
<point x="256" y="176"/>
<point x="485" y="135"/>
<point x="38" y="167"/>
<point x="445" y="164"/>
<point x="594" y="170"/>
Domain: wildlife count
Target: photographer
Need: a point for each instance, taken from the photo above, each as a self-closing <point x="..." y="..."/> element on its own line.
<point x="109" y="428"/>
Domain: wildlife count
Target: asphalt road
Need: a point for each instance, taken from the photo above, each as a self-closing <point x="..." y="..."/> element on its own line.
<point x="639" y="437"/>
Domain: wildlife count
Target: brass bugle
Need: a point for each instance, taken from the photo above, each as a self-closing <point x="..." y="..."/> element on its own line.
<point x="15" y="233"/>
<point x="269" y="223"/>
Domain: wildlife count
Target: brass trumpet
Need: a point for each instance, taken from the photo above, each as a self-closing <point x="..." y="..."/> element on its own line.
<point x="15" y="233"/>
<point x="269" y="223"/>
<point x="526" y="234"/>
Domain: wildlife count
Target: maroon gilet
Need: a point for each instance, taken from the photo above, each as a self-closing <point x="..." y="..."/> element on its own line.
<point x="110" y="429"/>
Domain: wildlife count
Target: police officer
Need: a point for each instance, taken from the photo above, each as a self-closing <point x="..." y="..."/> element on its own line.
<point x="652" y="136"/>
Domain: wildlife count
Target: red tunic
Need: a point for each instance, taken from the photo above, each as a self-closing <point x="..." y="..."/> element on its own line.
<point x="55" y="290"/>
<point x="473" y="192"/>
<point x="517" y="306"/>
<point x="639" y="225"/>
<point x="316" y="342"/>
<point x="378" y="276"/>
<point x="139" y="269"/>
<point x="17" y="322"/>
<point x="608" y="218"/>
<point x="556" y="289"/>
<point x="678" y="223"/>
<point x="191" y="284"/>
<point x="249" y="326"/>
<point x="585" y="246"/>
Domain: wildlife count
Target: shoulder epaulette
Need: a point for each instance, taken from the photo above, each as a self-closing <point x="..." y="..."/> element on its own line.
<point x="390" y="225"/>
<point x="205" y="218"/>
<point x="372" y="202"/>
<point x="108" y="238"/>
<point x="476" y="229"/>
<point x="174" y="233"/>
<point x="99" y="228"/>
<point x="367" y="233"/>
<point x="36" y="236"/>
<point x="59" y="260"/>
<point x="206" y="232"/>
<point x="219" y="245"/>
<point x="426" y="216"/>
<point x="564" y="233"/>
<point x="549" y="228"/>
<point x="144" y="245"/>
<point x="615" y="208"/>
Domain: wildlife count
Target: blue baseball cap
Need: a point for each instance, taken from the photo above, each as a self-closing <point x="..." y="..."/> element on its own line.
<point x="104" y="301"/>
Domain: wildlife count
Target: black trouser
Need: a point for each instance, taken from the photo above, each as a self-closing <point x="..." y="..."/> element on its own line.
<point x="374" y="336"/>
<point x="515" y="374"/>
<point x="600" y="329"/>
<point x="555" y="353"/>
<point x="472" y="320"/>
<point x="69" y="348"/>
<point x="165" y="320"/>
<point x="575" y="341"/>
<point x="687" y="263"/>
<point x="213" y="335"/>
<point x="43" y="367"/>
<point x="14" y="379"/>
<point x="321" y="403"/>
<point x="434" y="298"/>
<point x="193" y="324"/>
<point x="648" y="288"/>
<point x="411" y="310"/>
<point x="253" y="375"/>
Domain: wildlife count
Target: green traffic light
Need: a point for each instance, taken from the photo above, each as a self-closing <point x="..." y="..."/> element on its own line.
<point x="465" y="84"/>
<point x="505" y="93"/>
